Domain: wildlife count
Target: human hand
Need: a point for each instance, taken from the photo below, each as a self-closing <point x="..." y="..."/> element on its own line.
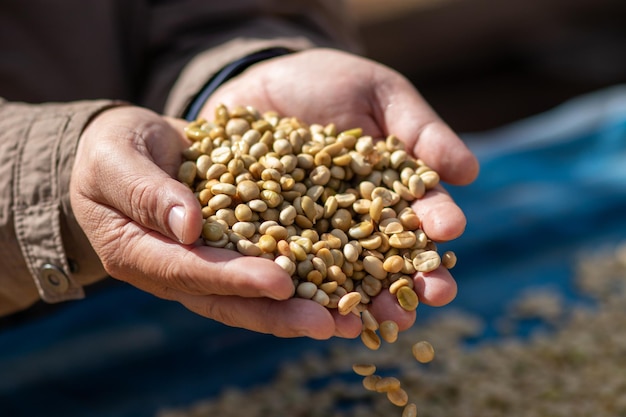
<point x="144" y="225"/>
<point x="324" y="86"/>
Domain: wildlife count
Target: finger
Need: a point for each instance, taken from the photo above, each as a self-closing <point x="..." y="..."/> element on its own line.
<point x="348" y="326"/>
<point x="295" y="317"/>
<point x="436" y="288"/>
<point x="146" y="193"/>
<point x="403" y="112"/>
<point x="160" y="266"/>
<point x="385" y="306"/>
<point x="441" y="148"/>
<point x="441" y="218"/>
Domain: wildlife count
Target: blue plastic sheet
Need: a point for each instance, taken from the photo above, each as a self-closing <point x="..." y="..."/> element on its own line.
<point x="550" y="187"/>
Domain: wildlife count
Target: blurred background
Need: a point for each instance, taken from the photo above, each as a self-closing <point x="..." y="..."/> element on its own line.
<point x="484" y="63"/>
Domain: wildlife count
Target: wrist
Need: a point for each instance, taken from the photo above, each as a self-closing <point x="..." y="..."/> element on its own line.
<point x="229" y="71"/>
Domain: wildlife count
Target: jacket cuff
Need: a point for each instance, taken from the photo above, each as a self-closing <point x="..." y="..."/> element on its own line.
<point x="46" y="140"/>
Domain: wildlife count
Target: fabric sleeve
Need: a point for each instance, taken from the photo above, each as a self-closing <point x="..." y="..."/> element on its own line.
<point x="229" y="71"/>
<point x="45" y="255"/>
<point x="194" y="46"/>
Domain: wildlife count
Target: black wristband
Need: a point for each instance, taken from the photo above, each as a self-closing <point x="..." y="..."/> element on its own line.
<point x="225" y="74"/>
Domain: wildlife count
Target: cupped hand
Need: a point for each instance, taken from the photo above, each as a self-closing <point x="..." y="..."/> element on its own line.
<point x="323" y="86"/>
<point x="144" y="225"/>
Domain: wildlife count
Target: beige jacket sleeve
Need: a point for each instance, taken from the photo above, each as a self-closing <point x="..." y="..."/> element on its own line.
<point x="41" y="244"/>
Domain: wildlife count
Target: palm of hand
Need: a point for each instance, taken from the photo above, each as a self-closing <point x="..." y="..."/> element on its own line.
<point x="323" y="86"/>
<point x="312" y="86"/>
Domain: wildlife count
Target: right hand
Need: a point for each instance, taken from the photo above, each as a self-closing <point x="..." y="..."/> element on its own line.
<point x="325" y="85"/>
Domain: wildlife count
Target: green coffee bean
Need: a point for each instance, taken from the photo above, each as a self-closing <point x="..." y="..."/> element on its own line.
<point x="370" y="339"/>
<point x="246" y="229"/>
<point x="376" y="208"/>
<point x="370" y="381"/>
<point x="219" y="201"/>
<point x="364" y="369"/>
<point x="430" y="179"/>
<point x="403" y="191"/>
<point x="267" y="243"/>
<point x="388" y="196"/>
<point x="359" y="164"/>
<point x="342" y="219"/>
<point x="393" y="264"/>
<point x="212" y="231"/>
<point x="389" y="331"/>
<point x="387" y="384"/>
<point x="426" y="261"/>
<point x="409" y="219"/>
<point x="243" y="213"/>
<point x="391" y="226"/>
<point x="374" y="266"/>
<point x="348" y="302"/>
<point x="351" y="251"/>
<point x="448" y="259"/>
<point x="369" y="321"/>
<point x="371" y="242"/>
<point x="410" y="410"/>
<point x="398" y="397"/>
<point x="248" y="248"/>
<point x="236" y="126"/>
<point x="371" y="286"/>
<point x="407" y="298"/>
<point x="401" y="282"/>
<point x="423" y="351"/>
<point x="321" y="297"/>
<point x="187" y="172"/>
<point x="227" y="216"/>
<point x="361" y="230"/>
<point x="224" y="188"/>
<point x="329" y="287"/>
<point x="286" y="263"/>
<point x="306" y="290"/>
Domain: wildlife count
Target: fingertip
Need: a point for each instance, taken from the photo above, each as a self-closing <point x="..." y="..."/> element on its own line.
<point x="282" y="289"/>
<point x="310" y="319"/>
<point x="273" y="282"/>
<point x="184" y="225"/>
<point x="436" y="288"/>
<point x="184" y="219"/>
<point x="444" y="151"/>
<point x="385" y="306"/>
<point x="464" y="170"/>
<point x="442" y="220"/>
<point x="348" y="326"/>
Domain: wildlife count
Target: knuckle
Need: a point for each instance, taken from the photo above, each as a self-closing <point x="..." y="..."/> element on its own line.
<point x="142" y="200"/>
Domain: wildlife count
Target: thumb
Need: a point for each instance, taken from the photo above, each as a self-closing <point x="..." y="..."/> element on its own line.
<point x="131" y="169"/>
<point x="158" y="202"/>
<point x="184" y="221"/>
<point x="405" y="113"/>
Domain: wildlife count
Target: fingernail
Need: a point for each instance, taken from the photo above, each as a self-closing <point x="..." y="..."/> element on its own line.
<point x="176" y="221"/>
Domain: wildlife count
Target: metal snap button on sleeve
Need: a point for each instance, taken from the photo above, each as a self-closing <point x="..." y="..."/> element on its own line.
<point x="54" y="278"/>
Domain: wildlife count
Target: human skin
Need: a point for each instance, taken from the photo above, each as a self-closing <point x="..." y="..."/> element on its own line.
<point x="144" y="224"/>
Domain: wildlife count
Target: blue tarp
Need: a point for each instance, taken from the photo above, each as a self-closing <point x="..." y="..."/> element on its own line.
<point x="550" y="187"/>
